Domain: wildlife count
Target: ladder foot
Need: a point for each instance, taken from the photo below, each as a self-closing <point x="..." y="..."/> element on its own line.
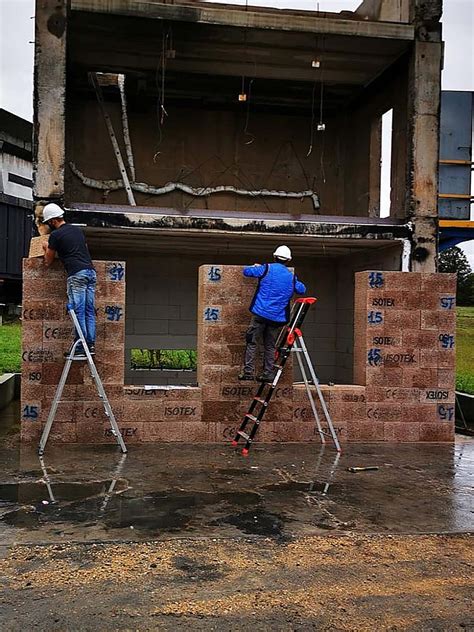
<point x="234" y="443"/>
<point x="245" y="452"/>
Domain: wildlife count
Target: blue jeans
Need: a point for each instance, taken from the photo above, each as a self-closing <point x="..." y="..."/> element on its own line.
<point x="81" y="295"/>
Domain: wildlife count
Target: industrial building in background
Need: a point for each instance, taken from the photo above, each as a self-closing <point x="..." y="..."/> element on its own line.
<point x="16" y="195"/>
<point x="189" y="136"/>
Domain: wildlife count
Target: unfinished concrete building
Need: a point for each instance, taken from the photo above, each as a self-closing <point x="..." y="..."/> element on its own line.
<point x="183" y="134"/>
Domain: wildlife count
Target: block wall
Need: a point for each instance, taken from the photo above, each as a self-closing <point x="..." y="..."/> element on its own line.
<point x="387" y="259"/>
<point x="47" y="333"/>
<point x="223" y="318"/>
<point x="403" y="365"/>
<point x="404" y="354"/>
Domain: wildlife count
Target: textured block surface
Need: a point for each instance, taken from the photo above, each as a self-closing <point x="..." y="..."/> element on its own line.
<point x="404" y="354"/>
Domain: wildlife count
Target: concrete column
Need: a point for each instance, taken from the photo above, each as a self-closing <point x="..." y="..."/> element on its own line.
<point x="49" y="101"/>
<point x="424" y="91"/>
<point x="423" y="114"/>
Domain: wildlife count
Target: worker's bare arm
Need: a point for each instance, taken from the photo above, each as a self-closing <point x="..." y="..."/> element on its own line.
<point x="48" y="256"/>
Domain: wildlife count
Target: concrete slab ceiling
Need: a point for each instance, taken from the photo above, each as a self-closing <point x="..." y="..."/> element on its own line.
<point x="209" y="47"/>
<point x="109" y="242"/>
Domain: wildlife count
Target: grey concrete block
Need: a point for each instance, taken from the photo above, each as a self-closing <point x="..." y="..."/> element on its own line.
<point x="183" y="327"/>
<point x="172" y="312"/>
<point x="149" y="341"/>
<point x="151" y="326"/>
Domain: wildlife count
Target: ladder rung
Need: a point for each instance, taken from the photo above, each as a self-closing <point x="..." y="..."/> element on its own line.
<point x="251" y="417"/>
<point x="244" y="435"/>
<point x="260" y="400"/>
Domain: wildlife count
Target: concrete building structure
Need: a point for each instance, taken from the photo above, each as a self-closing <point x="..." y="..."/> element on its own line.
<point x="184" y="134"/>
<point x="16" y="195"/>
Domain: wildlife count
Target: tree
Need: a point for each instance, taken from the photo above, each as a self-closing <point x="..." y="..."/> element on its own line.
<point x="454" y="260"/>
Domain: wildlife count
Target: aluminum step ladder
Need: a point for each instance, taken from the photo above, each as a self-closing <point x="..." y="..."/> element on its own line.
<point x="98" y="382"/>
<point x="289" y="341"/>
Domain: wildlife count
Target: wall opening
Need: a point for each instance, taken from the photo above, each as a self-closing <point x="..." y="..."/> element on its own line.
<point x="386" y="163"/>
<point x="161" y="312"/>
<point x="163" y="360"/>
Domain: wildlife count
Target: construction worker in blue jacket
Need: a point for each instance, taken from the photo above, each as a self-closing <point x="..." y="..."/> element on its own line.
<point x="270" y="310"/>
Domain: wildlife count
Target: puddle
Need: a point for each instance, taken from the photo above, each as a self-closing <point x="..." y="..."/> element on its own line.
<point x="165" y="511"/>
<point x="37" y="492"/>
<point x="258" y="522"/>
<point x="88" y="493"/>
<point x="296" y="486"/>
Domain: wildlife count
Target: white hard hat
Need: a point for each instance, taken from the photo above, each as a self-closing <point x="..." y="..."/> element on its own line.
<point x="283" y="252"/>
<point x="52" y="211"/>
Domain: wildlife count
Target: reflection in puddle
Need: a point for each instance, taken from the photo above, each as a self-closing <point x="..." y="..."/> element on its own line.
<point x="92" y="493"/>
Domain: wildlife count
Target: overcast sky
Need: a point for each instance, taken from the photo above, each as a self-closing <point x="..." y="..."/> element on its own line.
<point x="17" y="33"/>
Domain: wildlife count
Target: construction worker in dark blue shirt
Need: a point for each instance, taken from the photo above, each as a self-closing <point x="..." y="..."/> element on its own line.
<point x="270" y="310"/>
<point x="70" y="244"/>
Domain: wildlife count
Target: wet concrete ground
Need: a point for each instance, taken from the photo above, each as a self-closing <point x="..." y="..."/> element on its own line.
<point x="93" y="493"/>
<point x="177" y="537"/>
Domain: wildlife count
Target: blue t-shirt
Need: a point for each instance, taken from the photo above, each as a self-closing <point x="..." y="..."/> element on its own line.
<point x="70" y="244"/>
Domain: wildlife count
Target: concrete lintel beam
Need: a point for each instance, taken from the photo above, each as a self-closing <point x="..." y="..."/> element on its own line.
<point x="279" y="21"/>
<point x="145" y="222"/>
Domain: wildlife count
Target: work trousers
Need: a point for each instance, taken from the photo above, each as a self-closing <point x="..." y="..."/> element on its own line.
<point x="266" y="330"/>
<point x="81" y="296"/>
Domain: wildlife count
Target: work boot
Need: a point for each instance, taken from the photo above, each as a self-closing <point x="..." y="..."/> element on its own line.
<point x="246" y="377"/>
<point x="79" y="354"/>
<point x="266" y="377"/>
<point x="92" y="348"/>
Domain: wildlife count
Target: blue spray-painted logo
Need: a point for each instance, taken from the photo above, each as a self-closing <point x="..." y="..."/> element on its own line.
<point x="116" y="272"/>
<point x="374" y="357"/>
<point x="376" y="280"/>
<point x="214" y="274"/>
<point x="212" y="314"/>
<point x="114" y="312"/>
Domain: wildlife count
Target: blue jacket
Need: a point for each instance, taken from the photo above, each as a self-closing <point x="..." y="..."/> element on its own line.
<point x="276" y="286"/>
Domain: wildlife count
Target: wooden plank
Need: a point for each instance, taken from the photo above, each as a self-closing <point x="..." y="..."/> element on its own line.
<point x="36" y="246"/>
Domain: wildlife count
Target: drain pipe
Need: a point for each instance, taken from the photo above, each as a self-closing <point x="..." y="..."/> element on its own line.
<point x="406" y="253"/>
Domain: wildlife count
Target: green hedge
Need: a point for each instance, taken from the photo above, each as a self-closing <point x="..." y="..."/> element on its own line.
<point x="10" y="348"/>
<point x="465" y="350"/>
<point x="173" y="360"/>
